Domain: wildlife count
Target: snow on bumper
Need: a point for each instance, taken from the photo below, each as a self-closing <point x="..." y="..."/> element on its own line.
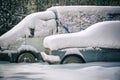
<point x="50" y="58"/>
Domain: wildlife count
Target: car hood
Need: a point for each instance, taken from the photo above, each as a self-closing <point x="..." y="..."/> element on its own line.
<point x="102" y="34"/>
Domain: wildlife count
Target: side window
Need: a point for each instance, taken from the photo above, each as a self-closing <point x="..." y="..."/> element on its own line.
<point x="114" y="16"/>
<point x="31" y="32"/>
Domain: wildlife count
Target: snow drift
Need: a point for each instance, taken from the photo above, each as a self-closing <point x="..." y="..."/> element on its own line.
<point x="38" y="71"/>
<point x="102" y="34"/>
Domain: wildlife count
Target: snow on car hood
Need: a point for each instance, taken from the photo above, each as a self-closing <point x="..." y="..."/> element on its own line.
<point x="102" y="34"/>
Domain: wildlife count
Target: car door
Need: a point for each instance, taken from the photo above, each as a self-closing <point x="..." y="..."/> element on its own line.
<point x="107" y="54"/>
<point x="90" y="54"/>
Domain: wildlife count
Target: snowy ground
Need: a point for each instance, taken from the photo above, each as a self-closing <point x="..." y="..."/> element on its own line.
<point x="38" y="71"/>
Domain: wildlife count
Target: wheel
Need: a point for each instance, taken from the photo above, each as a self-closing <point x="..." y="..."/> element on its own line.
<point x="26" y="57"/>
<point x="72" y="59"/>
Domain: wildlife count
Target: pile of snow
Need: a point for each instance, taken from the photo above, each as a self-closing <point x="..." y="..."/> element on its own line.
<point x="77" y="18"/>
<point x="102" y="34"/>
<point x="39" y="22"/>
<point x="38" y="71"/>
<point x="87" y="73"/>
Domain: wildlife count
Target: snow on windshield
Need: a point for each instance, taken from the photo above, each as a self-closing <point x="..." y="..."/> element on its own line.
<point x="102" y="34"/>
<point x="37" y="21"/>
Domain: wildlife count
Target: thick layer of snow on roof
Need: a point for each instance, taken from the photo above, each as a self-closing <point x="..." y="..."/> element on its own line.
<point x="22" y="29"/>
<point x="63" y="9"/>
<point x="102" y="34"/>
<point x="77" y="18"/>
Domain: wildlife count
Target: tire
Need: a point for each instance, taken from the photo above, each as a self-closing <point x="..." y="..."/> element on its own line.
<point x="72" y="59"/>
<point x="26" y="57"/>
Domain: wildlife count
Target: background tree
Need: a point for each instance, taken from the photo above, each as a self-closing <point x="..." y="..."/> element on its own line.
<point x="9" y="14"/>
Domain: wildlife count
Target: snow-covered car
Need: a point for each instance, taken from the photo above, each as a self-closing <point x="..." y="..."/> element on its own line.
<point x="24" y="42"/>
<point x="99" y="42"/>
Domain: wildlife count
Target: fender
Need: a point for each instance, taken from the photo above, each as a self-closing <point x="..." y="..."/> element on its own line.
<point x="27" y="48"/>
<point x="73" y="51"/>
<point x="70" y="51"/>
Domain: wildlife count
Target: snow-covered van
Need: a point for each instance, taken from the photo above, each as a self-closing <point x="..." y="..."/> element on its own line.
<point x="24" y="42"/>
<point x="99" y="42"/>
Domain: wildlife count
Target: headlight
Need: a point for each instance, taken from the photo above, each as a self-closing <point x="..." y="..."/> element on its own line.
<point x="48" y="51"/>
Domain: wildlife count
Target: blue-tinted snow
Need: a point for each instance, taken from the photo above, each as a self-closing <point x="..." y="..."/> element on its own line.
<point x="39" y="71"/>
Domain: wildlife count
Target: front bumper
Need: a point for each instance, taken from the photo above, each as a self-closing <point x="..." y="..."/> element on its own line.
<point x="50" y="58"/>
<point x="9" y="56"/>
